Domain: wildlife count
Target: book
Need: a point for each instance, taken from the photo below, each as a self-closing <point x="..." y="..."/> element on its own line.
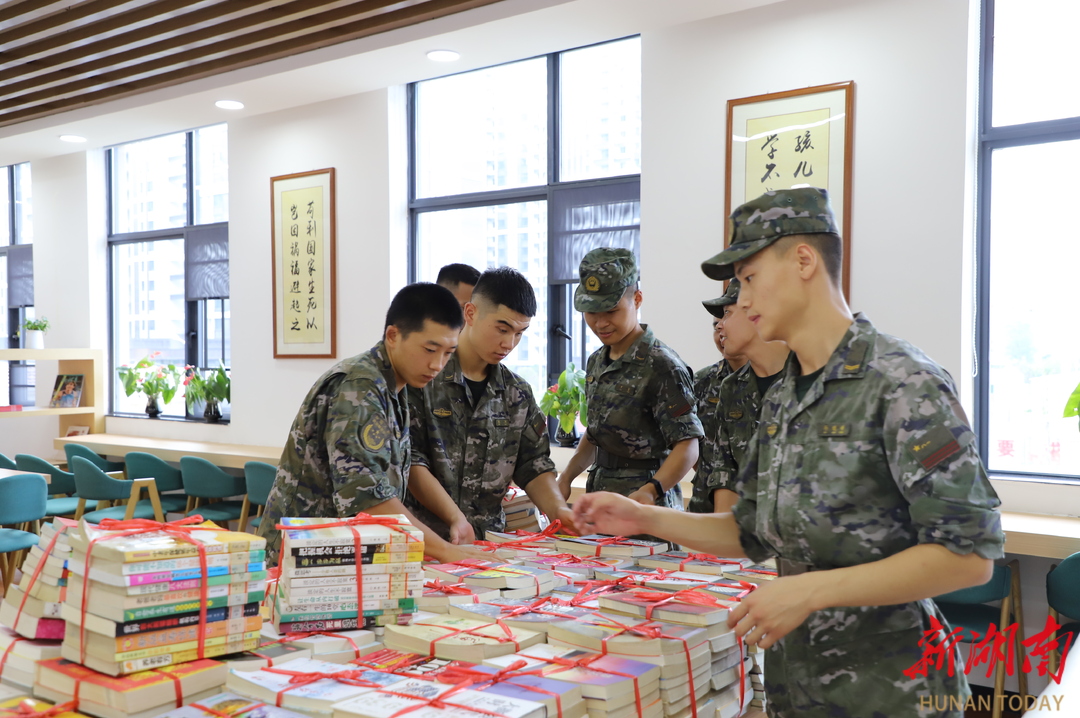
<point x="372" y="577"/>
<point x="230" y="704"/>
<point x="543" y="612"/>
<point x="577" y="566"/>
<point x="601" y="677"/>
<point x="21" y="704"/>
<point x="411" y="665"/>
<point x="755" y="573"/>
<point x="414" y="695"/>
<point x="173" y="569"/>
<point x="108" y="627"/>
<point x="67" y="391"/>
<point x="112" y="646"/>
<point x="77" y="430"/>
<point x="267" y="654"/>
<point x="669" y="607"/>
<point x="22" y="658"/>
<point x="317" y="696"/>
<point x="292" y="562"/>
<point x="28" y="625"/>
<point x="696" y="562"/>
<point x="119" y="614"/>
<point x="438" y="597"/>
<point x="459" y="638"/>
<point x="490" y="574"/>
<point x="213" y="648"/>
<point x="601" y="545"/>
<point x="91" y="708"/>
<point x="11" y="407"/>
<point x="351" y="642"/>
<point x="159" y="545"/>
<point x="342" y="624"/>
<point x="604" y="635"/>
<point x="560" y="698"/>
<point x="114" y="604"/>
<point x="376" y="533"/>
<point x="233" y="580"/>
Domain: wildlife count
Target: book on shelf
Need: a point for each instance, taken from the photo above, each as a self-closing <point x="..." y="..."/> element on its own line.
<point x="415" y="696"/>
<point x="230" y="704"/>
<point x="159" y="545"/>
<point x="77" y="430"/>
<point x="67" y="391"/>
<point x="601" y="545"/>
<point x="317" y="696"/>
<point x="459" y="638"/>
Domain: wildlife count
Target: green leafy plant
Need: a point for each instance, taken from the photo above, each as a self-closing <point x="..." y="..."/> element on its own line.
<point x="216" y="385"/>
<point x="150" y="378"/>
<point x="1072" y="406"/>
<point x="566" y="400"/>
<point x="36" y="325"/>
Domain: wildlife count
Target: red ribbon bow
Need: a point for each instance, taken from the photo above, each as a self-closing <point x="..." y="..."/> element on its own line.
<point x="26" y="709"/>
<point x="707" y="558"/>
<point x="459" y="674"/>
<point x="223" y="714"/>
<point x="298" y="679"/>
<point x="459" y="589"/>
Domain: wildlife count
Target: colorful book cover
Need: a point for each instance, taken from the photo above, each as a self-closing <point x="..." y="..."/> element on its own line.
<point x="347" y="602"/>
<point x="598" y="633"/>
<point x="402" y="532"/>
<point x="112" y="546"/>
<point x="169" y="636"/>
<point x="229" y="704"/>
<point x="638" y="603"/>
<point x="341" y="624"/>
<point x="350" y="560"/>
<point x="127" y="693"/>
<point x="73" y="614"/>
<point x="502" y="609"/>
<point x="349" y="579"/>
<point x="521" y="687"/>
<point x="325" y="690"/>
<point x="411" y="695"/>
<point x="607" y="670"/>
<point x="369" y="570"/>
<point x="145" y="600"/>
<point x="27" y="705"/>
<point x="601" y="545"/>
<point x="440" y="632"/>
<point x="350" y="549"/>
<point x="149" y="663"/>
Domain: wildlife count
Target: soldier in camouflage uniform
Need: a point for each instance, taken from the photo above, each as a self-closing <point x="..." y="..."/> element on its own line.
<point x="348" y="448"/>
<point x="707" y="390"/>
<point x="865" y="483"/>
<point x="476" y="427"/>
<point x="643" y="428"/>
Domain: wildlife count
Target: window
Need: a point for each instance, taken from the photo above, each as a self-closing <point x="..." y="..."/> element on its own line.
<point x="531" y="165"/>
<point x="17" y="379"/>
<point x="1028" y="349"/>
<point x="169" y="256"/>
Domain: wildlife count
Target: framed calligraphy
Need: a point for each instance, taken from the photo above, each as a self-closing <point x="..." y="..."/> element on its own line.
<point x="302" y="218"/>
<point x="790" y="139"/>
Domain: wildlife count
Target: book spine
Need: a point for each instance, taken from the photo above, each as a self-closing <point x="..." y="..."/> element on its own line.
<point x="182" y="634"/>
<point x="190" y="583"/>
<point x="143" y="579"/>
<point x="169" y="659"/>
<point x="236" y="599"/>
<point x="342" y="624"/>
<point x="309" y="615"/>
<point x="163" y="649"/>
<point x="378" y="579"/>
<point x="348" y="603"/>
<point x="186" y="619"/>
<point x="374" y="558"/>
<point x="224" y="559"/>
<point x="327" y="593"/>
<point x="155" y="599"/>
<point x="347" y="550"/>
<point x="294" y="537"/>
<point x="372" y="570"/>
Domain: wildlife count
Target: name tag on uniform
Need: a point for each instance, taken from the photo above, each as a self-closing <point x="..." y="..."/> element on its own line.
<point x="736" y="414"/>
<point x="834" y="430"/>
<point x="442" y="413"/>
<point x="713" y="400"/>
<point x="771" y="429"/>
<point x="501" y="422"/>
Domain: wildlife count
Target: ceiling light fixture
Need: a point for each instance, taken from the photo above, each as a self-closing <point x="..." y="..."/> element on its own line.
<point x="443" y="55"/>
<point x="230" y="104"/>
<point x="72" y="138"/>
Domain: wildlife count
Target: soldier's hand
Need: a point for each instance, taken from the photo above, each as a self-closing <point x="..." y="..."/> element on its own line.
<point x="607" y="513"/>
<point x="645" y="495"/>
<point x="566" y="515"/>
<point x="772" y="611"/>
<point x="460" y="553"/>
<point x="564" y="486"/>
<point x="461" y="531"/>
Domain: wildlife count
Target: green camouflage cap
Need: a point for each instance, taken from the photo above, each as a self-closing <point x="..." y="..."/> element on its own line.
<point x="605" y="275"/>
<point x="716" y="306"/>
<point x="760" y="222"/>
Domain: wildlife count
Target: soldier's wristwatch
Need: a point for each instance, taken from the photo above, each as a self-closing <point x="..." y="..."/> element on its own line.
<point x="658" y="487"/>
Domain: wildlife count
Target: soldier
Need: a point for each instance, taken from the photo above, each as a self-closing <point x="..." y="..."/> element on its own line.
<point x="865" y="481"/>
<point x="348" y="448"/>
<point x="740" y="399"/>
<point x="459" y="279"/>
<point x="476" y="427"/>
<point x="643" y="429"/>
<point x="707" y="390"/>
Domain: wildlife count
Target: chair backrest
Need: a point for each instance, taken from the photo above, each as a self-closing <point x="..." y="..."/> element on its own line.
<point x="260" y="479"/>
<point x="6" y="463"/>
<point x="1062" y="584"/>
<point x="73" y="450"/>
<point x="207" y="481"/>
<point x="141" y="465"/>
<point x="995" y="589"/>
<point x="22" y="498"/>
<point x="94" y="484"/>
<point x="61" y="482"/>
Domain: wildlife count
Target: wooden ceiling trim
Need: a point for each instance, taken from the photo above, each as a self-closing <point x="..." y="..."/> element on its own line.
<point x="108" y="10"/>
<point x="11" y="10"/>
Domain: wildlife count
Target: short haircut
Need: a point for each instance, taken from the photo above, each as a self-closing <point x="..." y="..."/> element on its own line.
<point x="629" y="291"/>
<point x="419" y="302"/>
<point x="454" y="274"/>
<point x="827" y="244"/>
<point x="508" y="287"/>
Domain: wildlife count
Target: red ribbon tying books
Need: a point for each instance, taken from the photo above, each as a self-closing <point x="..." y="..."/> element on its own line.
<point x="179" y="529"/>
<point x="706" y="558"/>
<point x="660" y="598"/>
<point x="586" y="662"/>
<point x="177" y="686"/>
<point x="30" y="585"/>
<point x="527" y="541"/>
<point x="460" y="674"/>
<point x="308" y="634"/>
<point x="7" y="651"/>
<point x="508" y="638"/>
<point x="222" y="714"/>
<point x="396" y="668"/>
<point x="439" y="702"/>
<point x="298" y="679"/>
<point x="535" y="607"/>
<point x="569" y="559"/>
<point x="467" y="563"/>
<point x="26" y="709"/>
<point x="361" y="519"/>
<point x="458" y="589"/>
<point x="616" y="541"/>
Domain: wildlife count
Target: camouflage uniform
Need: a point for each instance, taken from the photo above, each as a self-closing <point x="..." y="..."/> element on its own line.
<point x="348" y="448"/>
<point x="876" y="457"/>
<point x="707" y="390"/>
<point x="474" y="453"/>
<point x="738" y="423"/>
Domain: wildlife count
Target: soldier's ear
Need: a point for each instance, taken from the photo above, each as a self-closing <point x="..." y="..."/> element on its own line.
<point x="392" y="336"/>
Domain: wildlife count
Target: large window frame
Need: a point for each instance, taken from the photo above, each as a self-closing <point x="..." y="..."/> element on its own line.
<point x="197" y="312"/>
<point x="993" y="138"/>
<point x="21" y="375"/>
<point x="567" y="334"/>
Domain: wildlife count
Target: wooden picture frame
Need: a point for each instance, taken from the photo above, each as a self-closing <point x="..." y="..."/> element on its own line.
<point x="791" y="139"/>
<point x="303" y="260"/>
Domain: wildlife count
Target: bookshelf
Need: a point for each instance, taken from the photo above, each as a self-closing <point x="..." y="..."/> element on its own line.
<point x="89" y="363"/>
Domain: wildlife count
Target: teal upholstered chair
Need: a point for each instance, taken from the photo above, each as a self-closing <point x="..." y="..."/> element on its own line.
<point x="6" y="463"/>
<point x="60" y="482"/>
<point x="260" y="479"/>
<point x="73" y="450"/>
<point x="141" y="465"/>
<point x="967" y="609"/>
<point x="22" y="502"/>
<point x="93" y="484"/>
<point x="208" y="483"/>
<point x="1063" y="599"/>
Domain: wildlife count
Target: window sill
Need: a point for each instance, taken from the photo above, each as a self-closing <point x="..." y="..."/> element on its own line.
<point x="175" y="419"/>
<point x="1033" y="494"/>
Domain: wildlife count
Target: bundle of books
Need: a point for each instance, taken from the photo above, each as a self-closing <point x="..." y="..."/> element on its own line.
<point x="561" y="699"/>
<point x="528" y="613"/>
<point x="512" y="581"/>
<point x="426" y="699"/>
<point x="140" y="695"/>
<point x="600" y="545"/>
<point x="17" y="703"/>
<point x="332" y="647"/>
<point x="19" y="656"/>
<point x="229" y="704"/>
<point x="141" y="603"/>
<point x="695" y="562"/>
<point x="521" y="513"/>
<point x="276" y="686"/>
<point x="459" y="639"/>
<point x="758" y="573"/>
<point x="32" y="608"/>
<point x="437" y="596"/>
<point x="322" y="587"/>
<point x="574" y="566"/>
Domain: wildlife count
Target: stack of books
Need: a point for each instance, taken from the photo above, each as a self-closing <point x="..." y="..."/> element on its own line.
<point x="19" y="657"/>
<point x="758" y="573"/>
<point x="529" y="613"/>
<point x="268" y="654"/>
<point x="460" y="639"/>
<point x="574" y="566"/>
<point x="143" y="597"/>
<point x="277" y="687"/>
<point x="521" y="513"/>
<point x="230" y="704"/>
<point x="415" y="696"/>
<point x="40" y="597"/>
<point x="695" y="562"/>
<point x="438" y="596"/>
<point x="318" y="588"/>
<point x="140" y="695"/>
<point x="562" y="699"/>
<point x="511" y="581"/>
<point x="618" y="546"/>
<point x="332" y="647"/>
<point x="16" y="703"/>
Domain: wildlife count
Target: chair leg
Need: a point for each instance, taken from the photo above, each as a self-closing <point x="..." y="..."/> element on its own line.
<point x="80" y="509"/>
<point x="242" y="525"/>
<point x="9" y="572"/>
<point x="1018" y="640"/>
<point x="1055" y="655"/>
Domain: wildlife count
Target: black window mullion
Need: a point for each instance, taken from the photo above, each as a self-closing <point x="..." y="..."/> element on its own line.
<point x="189" y="171"/>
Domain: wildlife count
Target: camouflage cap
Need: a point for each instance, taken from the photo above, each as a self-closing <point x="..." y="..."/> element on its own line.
<point x="760" y="222"/>
<point x="605" y="274"/>
<point x="716" y="306"/>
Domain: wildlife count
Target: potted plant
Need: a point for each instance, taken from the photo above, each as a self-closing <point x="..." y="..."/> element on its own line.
<point x="156" y="381"/>
<point x="566" y="401"/>
<point x="1072" y="406"/>
<point x="212" y="389"/>
<point x="35" y="330"/>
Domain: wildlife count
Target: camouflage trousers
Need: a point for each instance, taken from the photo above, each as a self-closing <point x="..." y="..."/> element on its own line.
<point x="701" y="501"/>
<point x="861" y="679"/>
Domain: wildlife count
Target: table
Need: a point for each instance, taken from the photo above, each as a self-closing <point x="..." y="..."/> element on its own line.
<point x="232" y="456"/>
<point x="4" y="473"/>
<point x="1040" y="534"/>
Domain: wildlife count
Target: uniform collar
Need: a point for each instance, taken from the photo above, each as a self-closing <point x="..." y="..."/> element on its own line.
<point x="848" y="361"/>
<point x="382" y="360"/>
<point x="496" y="378"/>
<point x="638" y="352"/>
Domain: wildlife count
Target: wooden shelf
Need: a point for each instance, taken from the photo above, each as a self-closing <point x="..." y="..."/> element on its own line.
<point x="53" y="411"/>
<point x="88" y="362"/>
<point x="50" y="354"/>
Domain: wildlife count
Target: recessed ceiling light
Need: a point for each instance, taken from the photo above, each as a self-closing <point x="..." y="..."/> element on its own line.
<point x="72" y="138"/>
<point x="230" y="104"/>
<point x="443" y="55"/>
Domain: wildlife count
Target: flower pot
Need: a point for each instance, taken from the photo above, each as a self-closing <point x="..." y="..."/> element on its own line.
<point x="212" y="412"/>
<point x="35" y="339"/>
<point x="566" y="439"/>
<point x="152" y="408"/>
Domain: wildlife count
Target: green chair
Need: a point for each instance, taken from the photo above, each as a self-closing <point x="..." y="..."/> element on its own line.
<point x="967" y="609"/>
<point x="73" y="450"/>
<point x="205" y="481"/>
<point x="22" y="502"/>
<point x="6" y="463"/>
<point x="260" y="479"/>
<point x="93" y="484"/>
<point x="60" y="482"/>
<point x="1063" y="600"/>
<point x="141" y="465"/>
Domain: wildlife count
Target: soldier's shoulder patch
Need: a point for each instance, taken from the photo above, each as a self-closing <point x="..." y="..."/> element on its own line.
<point x="375" y="433"/>
<point x="933" y="447"/>
<point x="540" y="427"/>
<point x="441" y="412"/>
